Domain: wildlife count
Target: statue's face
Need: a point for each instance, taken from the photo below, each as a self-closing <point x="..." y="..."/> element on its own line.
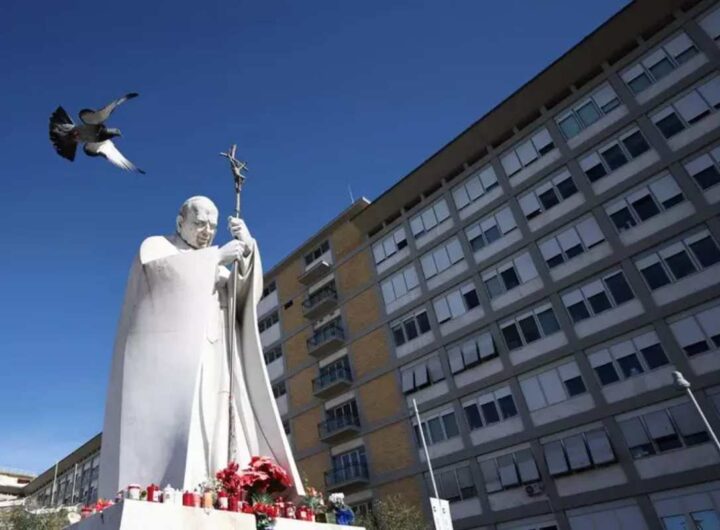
<point x="199" y="228"/>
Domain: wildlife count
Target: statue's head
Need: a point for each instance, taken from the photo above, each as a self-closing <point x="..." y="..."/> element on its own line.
<point x="197" y="222"/>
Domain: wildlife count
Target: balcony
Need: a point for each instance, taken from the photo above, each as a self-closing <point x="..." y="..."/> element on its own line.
<point x="347" y="477"/>
<point x="320" y="302"/>
<point x="315" y="272"/>
<point x="339" y="428"/>
<point x="325" y="340"/>
<point x="332" y="382"/>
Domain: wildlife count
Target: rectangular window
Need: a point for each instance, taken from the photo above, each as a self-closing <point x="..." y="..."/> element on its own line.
<point x="399" y="284"/>
<point x="568" y="243"/>
<point x="437" y="428"/>
<point x="490" y="408"/>
<point x="279" y="389"/>
<point x="547" y="194"/>
<point x="490" y="229"/>
<point x="410" y="327"/>
<point x="659" y="62"/>
<point x="597" y="296"/>
<point x="530" y="326"/>
<point x="268" y="322"/>
<point x="705" y="169"/>
<point x="268" y="289"/>
<point x="317" y="252"/>
<point x="645" y="202"/>
<point x="441" y="258"/>
<point x="698" y="332"/>
<point x="423" y="374"/>
<point x="678" y="260"/>
<point x="389" y="245"/>
<point x="579" y="452"/>
<point x="273" y="354"/>
<point x="455" y="484"/>
<point x="429" y="218"/>
<point x="553" y="386"/>
<point x="689" y="108"/>
<point x="710" y="22"/>
<point x="526" y="152"/>
<point x="628" y="358"/>
<point x="471" y="352"/>
<point x="474" y="187"/>
<point x="509" y="471"/>
<point x="663" y="430"/>
<point x="587" y="111"/>
<point x="614" y="155"/>
<point x="456" y="302"/>
<point x="509" y="275"/>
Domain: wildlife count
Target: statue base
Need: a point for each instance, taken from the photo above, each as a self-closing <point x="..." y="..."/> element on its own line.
<point x="141" y="515"/>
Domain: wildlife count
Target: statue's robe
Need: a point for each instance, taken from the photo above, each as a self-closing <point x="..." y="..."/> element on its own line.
<point x="167" y="410"/>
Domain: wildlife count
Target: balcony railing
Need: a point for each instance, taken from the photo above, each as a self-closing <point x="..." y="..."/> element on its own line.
<point x="315" y="272"/>
<point x="320" y="302"/>
<point x="325" y="339"/>
<point x="331" y="382"/>
<point x="338" y="427"/>
<point x="347" y="476"/>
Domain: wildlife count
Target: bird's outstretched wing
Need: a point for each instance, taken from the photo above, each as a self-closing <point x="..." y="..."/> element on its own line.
<point x="61" y="134"/>
<point x="111" y="153"/>
<point x="96" y="117"/>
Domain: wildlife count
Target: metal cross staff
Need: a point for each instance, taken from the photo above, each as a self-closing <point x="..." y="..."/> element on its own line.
<point x="237" y="167"/>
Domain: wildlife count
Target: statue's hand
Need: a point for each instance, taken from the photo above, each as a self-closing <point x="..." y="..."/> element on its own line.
<point x="239" y="231"/>
<point x="232" y="251"/>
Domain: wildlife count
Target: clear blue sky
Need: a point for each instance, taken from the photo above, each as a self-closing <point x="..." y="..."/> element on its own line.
<point x="317" y="94"/>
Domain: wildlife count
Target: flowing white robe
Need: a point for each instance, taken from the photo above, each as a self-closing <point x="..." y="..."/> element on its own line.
<point x="167" y="410"/>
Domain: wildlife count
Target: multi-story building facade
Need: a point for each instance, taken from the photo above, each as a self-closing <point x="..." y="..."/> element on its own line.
<point x="531" y="286"/>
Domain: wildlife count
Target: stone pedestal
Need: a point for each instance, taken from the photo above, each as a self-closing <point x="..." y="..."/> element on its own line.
<point x="142" y="515"/>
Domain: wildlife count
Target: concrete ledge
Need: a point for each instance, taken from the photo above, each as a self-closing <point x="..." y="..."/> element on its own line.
<point x="141" y="515"/>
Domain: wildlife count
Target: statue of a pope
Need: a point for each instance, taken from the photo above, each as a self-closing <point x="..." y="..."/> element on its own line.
<point x="167" y="411"/>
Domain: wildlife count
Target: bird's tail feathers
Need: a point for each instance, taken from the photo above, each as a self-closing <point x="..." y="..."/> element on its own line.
<point x="61" y="134"/>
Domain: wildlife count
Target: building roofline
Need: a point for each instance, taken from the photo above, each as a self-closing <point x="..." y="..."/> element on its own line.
<point x="549" y="87"/>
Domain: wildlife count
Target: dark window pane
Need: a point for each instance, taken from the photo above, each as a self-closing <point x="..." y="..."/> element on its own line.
<point x="493" y="234"/>
<point x="696" y="347"/>
<point x="555" y="261"/>
<point x="566" y="188"/>
<point x="578" y="312"/>
<point x="473" y="417"/>
<point x="636" y="144"/>
<point x="672" y="201"/>
<point x="451" y="428"/>
<point x="575" y="386"/>
<point x="607" y="374"/>
<point x="510" y="278"/>
<point x="477" y="243"/>
<point x="436" y="431"/>
<point x="630" y="365"/>
<point x="574" y="251"/>
<point x="708" y="177"/>
<point x="670" y="125"/>
<point x="596" y="173"/>
<point x="661" y="69"/>
<point x="706" y="251"/>
<point x="645" y="207"/>
<point x="686" y="55"/>
<point x="669" y="442"/>
<point x="654" y="356"/>
<point x="507" y="407"/>
<point x="570" y="126"/>
<point x="490" y="412"/>
<point x="599" y="302"/>
<point x="655" y="276"/>
<point x="410" y="329"/>
<point x="680" y="264"/>
<point x="619" y="288"/>
<point x="546" y="149"/>
<point x="610" y="105"/>
<point x="623" y="219"/>
<point x="529" y="329"/>
<point x="548" y="199"/>
<point x="423" y="322"/>
<point x="548" y="322"/>
<point x="512" y="337"/>
<point x="471" y="299"/>
<point x="398" y="336"/>
<point x="588" y="113"/>
<point x="640" y="83"/>
<point x="614" y="157"/>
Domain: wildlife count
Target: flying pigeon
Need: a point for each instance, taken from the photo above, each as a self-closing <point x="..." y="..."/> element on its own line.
<point x="66" y="136"/>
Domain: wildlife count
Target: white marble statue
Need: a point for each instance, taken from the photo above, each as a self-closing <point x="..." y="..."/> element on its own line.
<point x="166" y="416"/>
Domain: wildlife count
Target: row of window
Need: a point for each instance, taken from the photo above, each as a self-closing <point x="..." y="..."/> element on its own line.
<point x="268" y="322"/>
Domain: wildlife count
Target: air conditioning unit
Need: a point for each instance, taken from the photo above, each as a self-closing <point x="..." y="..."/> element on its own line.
<point x="536" y="488"/>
